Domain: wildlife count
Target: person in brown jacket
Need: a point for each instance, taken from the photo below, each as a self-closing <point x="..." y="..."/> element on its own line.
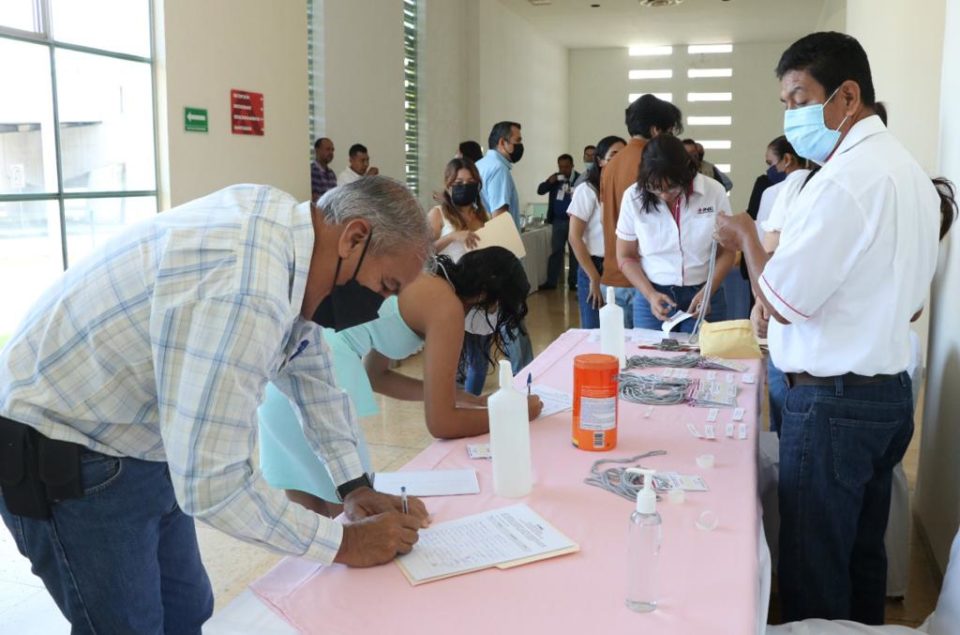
<point x="646" y="118"/>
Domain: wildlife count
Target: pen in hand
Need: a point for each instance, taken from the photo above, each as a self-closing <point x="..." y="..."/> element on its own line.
<point x="403" y="500"/>
<point x="529" y="384"/>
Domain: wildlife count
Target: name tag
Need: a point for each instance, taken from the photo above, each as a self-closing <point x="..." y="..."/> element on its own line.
<point x="705" y="210"/>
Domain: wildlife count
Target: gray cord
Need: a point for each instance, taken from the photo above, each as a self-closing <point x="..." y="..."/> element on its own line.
<point x="690" y="360"/>
<point x="616" y="479"/>
<point x="707" y="292"/>
<point x="654" y="390"/>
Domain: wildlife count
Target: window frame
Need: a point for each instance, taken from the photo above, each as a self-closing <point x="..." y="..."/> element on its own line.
<point x="44" y="36"/>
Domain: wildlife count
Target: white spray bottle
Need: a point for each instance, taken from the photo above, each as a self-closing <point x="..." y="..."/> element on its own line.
<point x="612" y="338"/>
<point x="643" y="548"/>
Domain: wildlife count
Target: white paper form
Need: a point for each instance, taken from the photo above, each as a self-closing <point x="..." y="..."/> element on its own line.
<point x="428" y="482"/>
<point x="554" y="400"/>
<point x="500" y="231"/>
<point x="498" y="537"/>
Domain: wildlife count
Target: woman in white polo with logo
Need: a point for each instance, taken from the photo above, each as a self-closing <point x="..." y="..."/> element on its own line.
<point x="664" y="236"/>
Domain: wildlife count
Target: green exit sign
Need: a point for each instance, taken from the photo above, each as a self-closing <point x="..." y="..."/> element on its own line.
<point x="195" y="119"/>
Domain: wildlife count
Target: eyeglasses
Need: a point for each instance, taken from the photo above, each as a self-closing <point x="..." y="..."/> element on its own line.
<point x="672" y="191"/>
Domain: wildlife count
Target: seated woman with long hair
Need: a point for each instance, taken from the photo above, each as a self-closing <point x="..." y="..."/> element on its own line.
<point x="429" y="314"/>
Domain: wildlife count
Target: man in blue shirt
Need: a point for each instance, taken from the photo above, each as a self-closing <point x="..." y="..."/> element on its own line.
<point x="499" y="194"/>
<point x="559" y="186"/>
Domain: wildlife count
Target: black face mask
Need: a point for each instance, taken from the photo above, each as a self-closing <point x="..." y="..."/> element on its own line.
<point x="517" y="153"/>
<point x="350" y="303"/>
<point x="465" y="193"/>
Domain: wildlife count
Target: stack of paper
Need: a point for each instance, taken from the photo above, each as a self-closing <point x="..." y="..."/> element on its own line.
<point x="713" y="394"/>
<point x="502" y="538"/>
<point x="554" y="400"/>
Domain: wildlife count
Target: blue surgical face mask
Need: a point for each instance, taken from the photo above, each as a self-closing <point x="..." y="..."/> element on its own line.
<point x="775" y="175"/>
<point x="808" y="134"/>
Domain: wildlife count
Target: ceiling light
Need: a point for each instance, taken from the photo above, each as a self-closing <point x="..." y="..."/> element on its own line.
<point x="659" y="3"/>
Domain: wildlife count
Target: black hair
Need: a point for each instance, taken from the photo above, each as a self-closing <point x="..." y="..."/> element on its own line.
<point x="501" y="130"/>
<point x="781" y="147"/>
<point x="664" y="159"/>
<point x="357" y="148"/>
<point x="880" y="109"/>
<point x="316" y="144"/>
<point x="831" y="58"/>
<point x="471" y="150"/>
<point x="603" y="146"/>
<point x="948" y="204"/>
<point x="565" y="156"/>
<point x="585" y="148"/>
<point x="696" y="147"/>
<point x="647" y="112"/>
<point x="497" y="278"/>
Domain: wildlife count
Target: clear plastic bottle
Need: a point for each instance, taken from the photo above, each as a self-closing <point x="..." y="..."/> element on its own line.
<point x="643" y="549"/>
<point x="509" y="438"/>
<point x="612" y="337"/>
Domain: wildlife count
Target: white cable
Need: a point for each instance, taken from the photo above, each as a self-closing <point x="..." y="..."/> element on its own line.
<point x="616" y="479"/>
<point x="707" y="293"/>
<point x="654" y="390"/>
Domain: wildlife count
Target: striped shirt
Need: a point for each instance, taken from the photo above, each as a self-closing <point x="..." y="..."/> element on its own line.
<point x="322" y="179"/>
<point x="160" y="345"/>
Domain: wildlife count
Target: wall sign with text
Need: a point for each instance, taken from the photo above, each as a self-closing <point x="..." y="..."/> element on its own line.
<point x="246" y="112"/>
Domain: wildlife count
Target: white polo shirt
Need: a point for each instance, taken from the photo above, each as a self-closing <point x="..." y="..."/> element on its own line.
<point x="348" y="176"/>
<point x="586" y="206"/>
<point x="857" y="254"/>
<point x="672" y="255"/>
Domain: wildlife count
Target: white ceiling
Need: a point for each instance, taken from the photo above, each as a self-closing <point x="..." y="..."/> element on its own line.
<point x="574" y="24"/>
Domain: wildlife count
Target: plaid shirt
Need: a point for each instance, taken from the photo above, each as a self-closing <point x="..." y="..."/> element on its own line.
<point x="159" y="347"/>
<point x="321" y="179"/>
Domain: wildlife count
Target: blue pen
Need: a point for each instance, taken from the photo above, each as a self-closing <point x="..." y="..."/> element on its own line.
<point x="529" y="384"/>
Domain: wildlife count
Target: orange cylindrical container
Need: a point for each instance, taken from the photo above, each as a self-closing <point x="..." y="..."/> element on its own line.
<point x="595" y="402"/>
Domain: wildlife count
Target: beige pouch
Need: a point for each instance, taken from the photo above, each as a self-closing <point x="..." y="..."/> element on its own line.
<point x="732" y="339"/>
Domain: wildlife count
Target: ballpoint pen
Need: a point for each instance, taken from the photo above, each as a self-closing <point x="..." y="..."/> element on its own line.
<point x="529" y="384"/>
<point x="403" y="500"/>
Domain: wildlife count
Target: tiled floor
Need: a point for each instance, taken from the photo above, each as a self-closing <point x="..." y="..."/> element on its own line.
<point x="395" y="436"/>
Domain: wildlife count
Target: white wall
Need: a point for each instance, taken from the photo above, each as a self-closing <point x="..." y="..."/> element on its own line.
<point x="204" y="49"/>
<point x="833" y="16"/>
<point x="938" y="489"/>
<point x="363" y="80"/>
<point x="599" y="87"/>
<point x="517" y="75"/>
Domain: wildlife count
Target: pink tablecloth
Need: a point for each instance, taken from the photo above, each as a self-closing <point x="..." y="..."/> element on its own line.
<point x="709" y="580"/>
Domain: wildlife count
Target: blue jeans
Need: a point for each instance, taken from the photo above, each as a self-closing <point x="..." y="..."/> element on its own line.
<point x="122" y="559"/>
<point x="643" y="317"/>
<point x="476" y="362"/>
<point x="777" y="388"/>
<point x="838" y="447"/>
<point x="589" y="316"/>
<point x="624" y="297"/>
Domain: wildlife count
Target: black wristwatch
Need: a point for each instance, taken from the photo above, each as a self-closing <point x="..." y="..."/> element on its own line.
<point x="362" y="481"/>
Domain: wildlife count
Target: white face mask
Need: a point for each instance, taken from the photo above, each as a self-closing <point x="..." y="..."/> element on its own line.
<point x="480" y="322"/>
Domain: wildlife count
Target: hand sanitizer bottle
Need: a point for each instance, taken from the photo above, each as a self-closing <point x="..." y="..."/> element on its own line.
<point x="509" y="438"/>
<point x="612" y="338"/>
<point x="643" y="548"/>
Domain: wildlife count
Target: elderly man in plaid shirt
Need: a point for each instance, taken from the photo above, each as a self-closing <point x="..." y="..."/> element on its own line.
<point x="129" y="394"/>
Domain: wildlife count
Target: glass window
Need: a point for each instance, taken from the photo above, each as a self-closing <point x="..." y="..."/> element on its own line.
<point x="19" y="14"/>
<point x="97" y="23"/>
<point x="30" y="256"/>
<point x="91" y="222"/>
<point x="106" y="123"/>
<point x="27" y="143"/>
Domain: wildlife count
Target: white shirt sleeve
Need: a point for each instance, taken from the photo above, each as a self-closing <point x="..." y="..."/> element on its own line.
<point x="816" y="253"/>
<point x="778" y="211"/>
<point x="629" y="208"/>
<point x="584" y="203"/>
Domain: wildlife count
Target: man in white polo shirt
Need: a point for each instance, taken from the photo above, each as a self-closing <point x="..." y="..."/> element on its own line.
<point x="854" y="265"/>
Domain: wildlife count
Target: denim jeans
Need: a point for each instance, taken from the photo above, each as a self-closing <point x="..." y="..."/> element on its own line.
<point x="123" y="558"/>
<point x="589" y="316"/>
<point x="560" y="229"/>
<point x="476" y="363"/>
<point x="624" y="297"/>
<point x="643" y="317"/>
<point x="777" y="388"/>
<point x="838" y="447"/>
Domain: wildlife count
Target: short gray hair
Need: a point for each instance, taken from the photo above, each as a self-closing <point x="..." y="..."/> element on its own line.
<point x="396" y="217"/>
